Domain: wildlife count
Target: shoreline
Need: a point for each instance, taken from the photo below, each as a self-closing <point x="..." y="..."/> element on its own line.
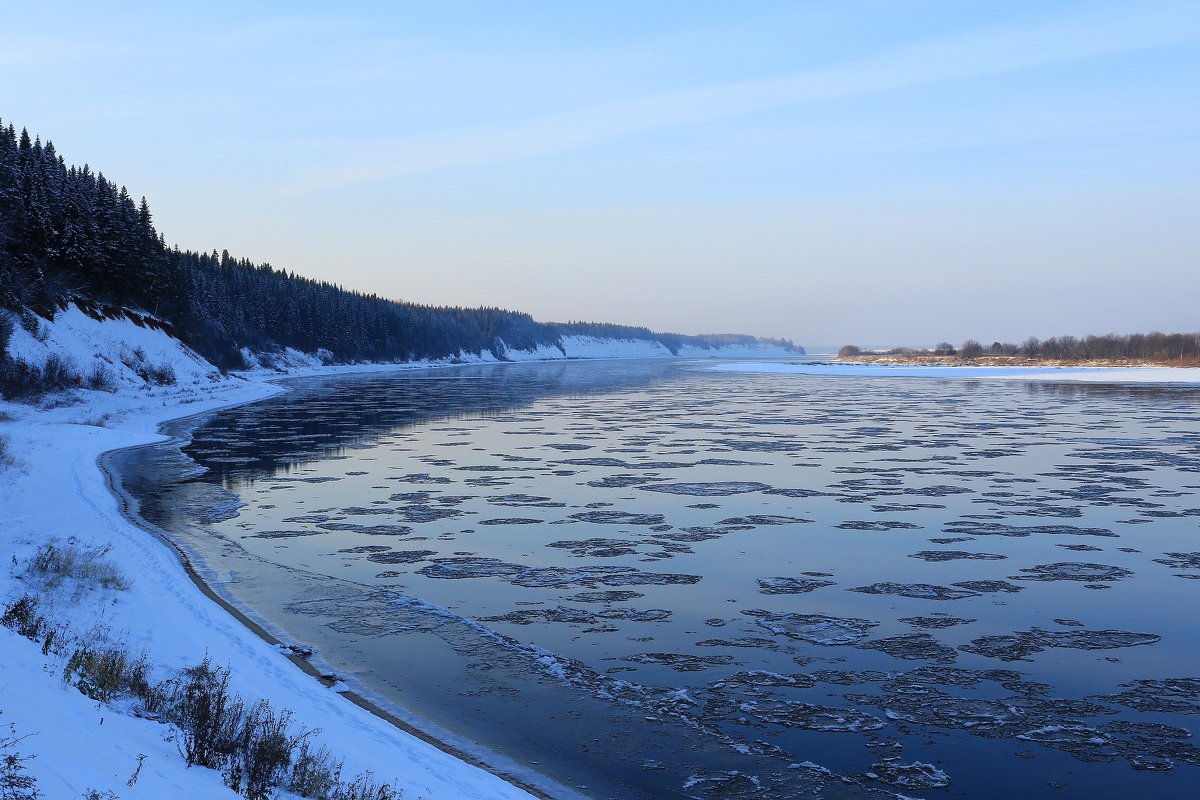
<point x="1034" y="373"/>
<point x="1018" y="362"/>
<point x="263" y="629"/>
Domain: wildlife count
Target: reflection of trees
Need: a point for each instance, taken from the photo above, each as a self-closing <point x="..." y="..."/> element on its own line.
<point x="320" y="417"/>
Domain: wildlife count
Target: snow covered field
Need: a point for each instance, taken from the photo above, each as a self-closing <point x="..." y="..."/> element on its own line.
<point x="1071" y="374"/>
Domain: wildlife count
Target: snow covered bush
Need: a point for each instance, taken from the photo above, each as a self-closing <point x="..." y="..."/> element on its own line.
<point x="106" y="673"/>
<point x="19" y="378"/>
<point x="22" y="616"/>
<point x="364" y="787"/>
<point x="207" y="714"/>
<point x="15" y="783"/>
<point x="313" y="773"/>
<point x="100" y="378"/>
<point x="153" y="374"/>
<point x="85" y="566"/>
<point x="264" y="752"/>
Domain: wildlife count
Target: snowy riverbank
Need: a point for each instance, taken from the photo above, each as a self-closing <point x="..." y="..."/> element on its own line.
<point x="1164" y="375"/>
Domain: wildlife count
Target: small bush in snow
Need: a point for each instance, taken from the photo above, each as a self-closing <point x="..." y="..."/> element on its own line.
<point x="208" y="715"/>
<point x="32" y="324"/>
<point x="106" y="673"/>
<point x="155" y="375"/>
<point x="19" y="378"/>
<point x="15" y="783"/>
<point x="6" y="331"/>
<point x="364" y="787"/>
<point x="264" y="752"/>
<point x="58" y="373"/>
<point x="22" y="616"/>
<point x="100" y="378"/>
<point x="87" y="566"/>
<point x="162" y="375"/>
<point x="314" y="773"/>
<point x="6" y="459"/>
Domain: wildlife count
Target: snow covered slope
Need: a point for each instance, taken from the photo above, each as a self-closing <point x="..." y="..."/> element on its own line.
<point x="117" y="347"/>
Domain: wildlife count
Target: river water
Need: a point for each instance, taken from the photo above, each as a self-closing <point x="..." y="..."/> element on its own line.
<point x="655" y="580"/>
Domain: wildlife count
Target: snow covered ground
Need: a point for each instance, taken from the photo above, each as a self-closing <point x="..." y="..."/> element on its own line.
<point x="1070" y="374"/>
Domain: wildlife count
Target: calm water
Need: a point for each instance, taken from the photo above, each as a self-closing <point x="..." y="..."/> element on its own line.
<point x="655" y="580"/>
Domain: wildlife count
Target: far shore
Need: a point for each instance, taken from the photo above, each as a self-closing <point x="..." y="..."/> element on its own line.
<point x="921" y="360"/>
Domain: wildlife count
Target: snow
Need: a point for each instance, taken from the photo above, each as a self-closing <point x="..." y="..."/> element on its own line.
<point x="1071" y="374"/>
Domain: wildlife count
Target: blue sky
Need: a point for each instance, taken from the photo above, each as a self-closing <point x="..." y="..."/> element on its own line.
<point x="870" y="172"/>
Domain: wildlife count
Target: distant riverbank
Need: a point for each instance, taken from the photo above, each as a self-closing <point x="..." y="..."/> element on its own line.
<point x="919" y="360"/>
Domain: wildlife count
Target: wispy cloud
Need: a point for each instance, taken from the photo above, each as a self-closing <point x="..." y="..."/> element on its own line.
<point x="974" y="55"/>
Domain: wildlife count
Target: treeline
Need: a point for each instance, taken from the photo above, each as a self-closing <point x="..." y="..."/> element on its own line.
<point x="68" y="233"/>
<point x="231" y="303"/>
<point x="1155" y="347"/>
<point x="672" y="341"/>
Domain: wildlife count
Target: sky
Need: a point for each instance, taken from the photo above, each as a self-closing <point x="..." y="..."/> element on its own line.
<point x="876" y="172"/>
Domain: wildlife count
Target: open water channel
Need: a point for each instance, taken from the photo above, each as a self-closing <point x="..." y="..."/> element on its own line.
<point x="655" y="580"/>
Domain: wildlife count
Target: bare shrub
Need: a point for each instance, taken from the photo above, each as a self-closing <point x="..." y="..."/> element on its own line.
<point x="153" y="374"/>
<point x="364" y="787"/>
<point x="100" y="378"/>
<point x="264" y="752"/>
<point x="106" y="673"/>
<point x="59" y="373"/>
<point x="88" y="566"/>
<point x="15" y="782"/>
<point x="849" y="350"/>
<point x="208" y="715"/>
<point x="22" y="616"/>
<point x="313" y="773"/>
<point x="20" y="379"/>
<point x="161" y="375"/>
<point x="970" y="349"/>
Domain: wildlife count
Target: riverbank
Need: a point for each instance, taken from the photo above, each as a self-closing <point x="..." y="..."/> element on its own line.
<point x="918" y="360"/>
<point x="1045" y="373"/>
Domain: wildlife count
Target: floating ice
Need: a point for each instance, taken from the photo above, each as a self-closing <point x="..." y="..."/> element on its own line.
<point x="955" y="555"/>
<point x="790" y="585"/>
<point x="916" y="775"/>
<point x="716" y="489"/>
<point x="921" y="591"/>
<point x="815" y="628"/>
<point x="1072" y="571"/>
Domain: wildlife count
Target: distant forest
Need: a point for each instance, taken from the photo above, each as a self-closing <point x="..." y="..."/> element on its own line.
<point x="1182" y="348"/>
<point x="69" y="233"/>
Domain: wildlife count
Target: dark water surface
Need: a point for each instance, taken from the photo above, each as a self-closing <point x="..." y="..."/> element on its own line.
<point x="654" y="580"/>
